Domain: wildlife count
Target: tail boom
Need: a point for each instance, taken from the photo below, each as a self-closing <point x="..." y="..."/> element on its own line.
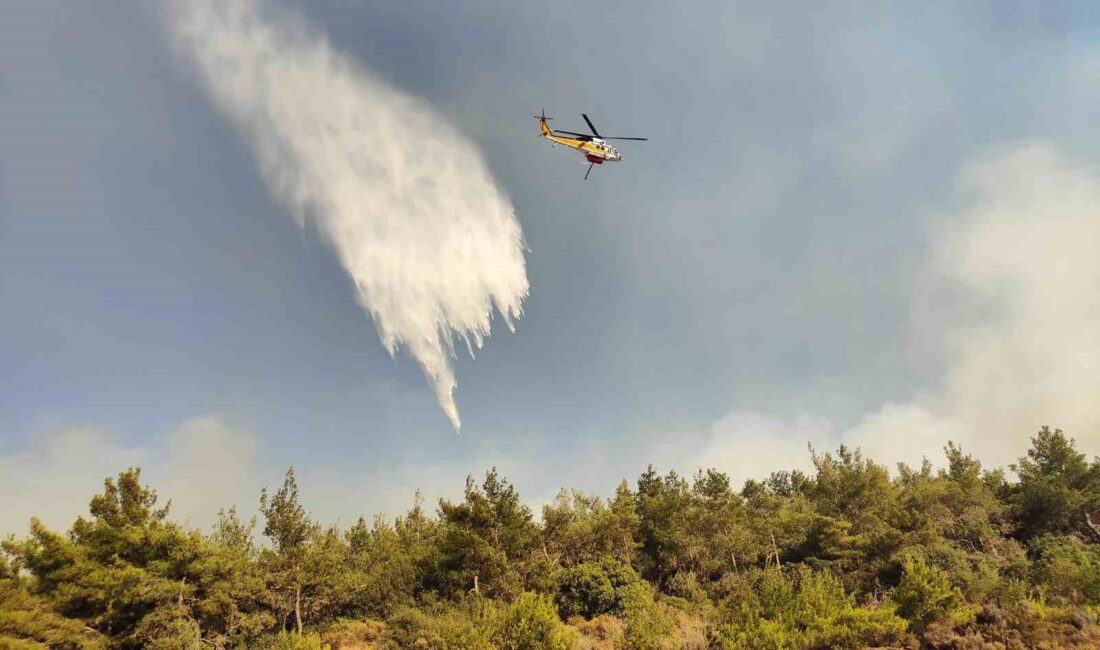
<point x="544" y="129"/>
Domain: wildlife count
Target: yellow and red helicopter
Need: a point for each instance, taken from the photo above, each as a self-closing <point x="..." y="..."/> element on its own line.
<point x="594" y="146"/>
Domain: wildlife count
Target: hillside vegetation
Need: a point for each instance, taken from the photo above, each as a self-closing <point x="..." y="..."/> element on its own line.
<point x="848" y="556"/>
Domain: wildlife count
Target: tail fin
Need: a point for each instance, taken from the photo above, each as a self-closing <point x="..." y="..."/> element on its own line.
<point x="544" y="130"/>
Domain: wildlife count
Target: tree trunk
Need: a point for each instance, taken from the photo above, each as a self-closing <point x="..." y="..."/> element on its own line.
<point x="298" y="608"/>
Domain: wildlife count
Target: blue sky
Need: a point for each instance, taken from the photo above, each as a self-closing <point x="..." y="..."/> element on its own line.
<point x="767" y="270"/>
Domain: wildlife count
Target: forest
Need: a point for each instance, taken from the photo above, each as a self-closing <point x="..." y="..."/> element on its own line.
<point x="850" y="555"/>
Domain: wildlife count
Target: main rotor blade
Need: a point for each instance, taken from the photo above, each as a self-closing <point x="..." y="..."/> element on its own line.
<point x="625" y="138"/>
<point x="594" y="131"/>
<point x="584" y="136"/>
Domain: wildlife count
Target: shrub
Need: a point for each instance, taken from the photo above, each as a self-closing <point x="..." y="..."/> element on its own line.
<point x="620" y="574"/>
<point x="761" y="634"/>
<point x="166" y="628"/>
<point x="858" y="628"/>
<point x="287" y="641"/>
<point x="460" y="633"/>
<point x="803" y="609"/>
<point x="686" y="586"/>
<point x="1010" y="591"/>
<point x="1067" y="569"/>
<point x="595" y="588"/>
<point x="604" y="632"/>
<point x="532" y="623"/>
<point x="410" y="628"/>
<point x="925" y="594"/>
<point x="585" y="590"/>
<point x="975" y="574"/>
<point x="645" y="622"/>
<point x="467" y="627"/>
<point x="351" y="634"/>
<point x="27" y="622"/>
<point x="689" y="631"/>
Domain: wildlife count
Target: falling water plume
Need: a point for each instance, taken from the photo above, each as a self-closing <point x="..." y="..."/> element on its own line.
<point x="406" y="201"/>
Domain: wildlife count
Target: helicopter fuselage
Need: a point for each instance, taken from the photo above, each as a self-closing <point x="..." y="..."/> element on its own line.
<point x="595" y="150"/>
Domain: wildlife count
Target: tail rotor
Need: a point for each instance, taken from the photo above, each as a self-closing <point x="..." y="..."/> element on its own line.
<point x="541" y="117"/>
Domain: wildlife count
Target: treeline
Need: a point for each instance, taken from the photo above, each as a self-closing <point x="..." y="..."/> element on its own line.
<point x="846" y="556"/>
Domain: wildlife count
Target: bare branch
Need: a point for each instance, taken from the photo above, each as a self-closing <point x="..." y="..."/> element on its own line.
<point x="1094" y="525"/>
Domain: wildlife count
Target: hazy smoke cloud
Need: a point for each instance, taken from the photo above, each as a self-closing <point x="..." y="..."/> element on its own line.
<point x="1026" y="255"/>
<point x="410" y="207"/>
<point x="1026" y="351"/>
<point x="55" y="475"/>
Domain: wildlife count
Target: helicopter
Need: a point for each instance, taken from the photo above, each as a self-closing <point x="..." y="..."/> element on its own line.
<point x="594" y="146"/>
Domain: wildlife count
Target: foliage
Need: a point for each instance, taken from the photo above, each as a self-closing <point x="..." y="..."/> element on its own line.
<point x="299" y="568"/>
<point x="488" y="537"/>
<point x="351" y="634"/>
<point x="646" y="622"/>
<point x="531" y="623"/>
<point x="925" y="594"/>
<point x="466" y="625"/>
<point x="603" y="631"/>
<point x="595" y="588"/>
<point x="1058" y="487"/>
<point x="585" y="591"/>
<point x="803" y="609"/>
<point x="168" y="628"/>
<point x="1067" y="569"/>
<point x="27" y="621"/>
<point x="579" y="528"/>
<point x="849" y="555"/>
<point x="287" y="641"/>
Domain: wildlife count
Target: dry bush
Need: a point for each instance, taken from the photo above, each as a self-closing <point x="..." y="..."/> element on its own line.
<point x="354" y="635"/>
<point x="1022" y="627"/>
<point x="604" y="632"/>
<point x="689" y="633"/>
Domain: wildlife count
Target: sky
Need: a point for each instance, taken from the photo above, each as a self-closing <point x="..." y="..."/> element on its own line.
<point x="870" y="225"/>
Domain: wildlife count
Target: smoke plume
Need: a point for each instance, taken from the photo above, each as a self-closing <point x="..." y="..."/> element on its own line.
<point x="407" y="202"/>
<point x="1023" y="354"/>
<point x="1025" y="256"/>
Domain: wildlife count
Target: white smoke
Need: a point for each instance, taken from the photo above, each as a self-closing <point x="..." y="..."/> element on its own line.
<point x="57" y="471"/>
<point x="1026" y="255"/>
<point x="1026" y="351"/>
<point x="431" y="242"/>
